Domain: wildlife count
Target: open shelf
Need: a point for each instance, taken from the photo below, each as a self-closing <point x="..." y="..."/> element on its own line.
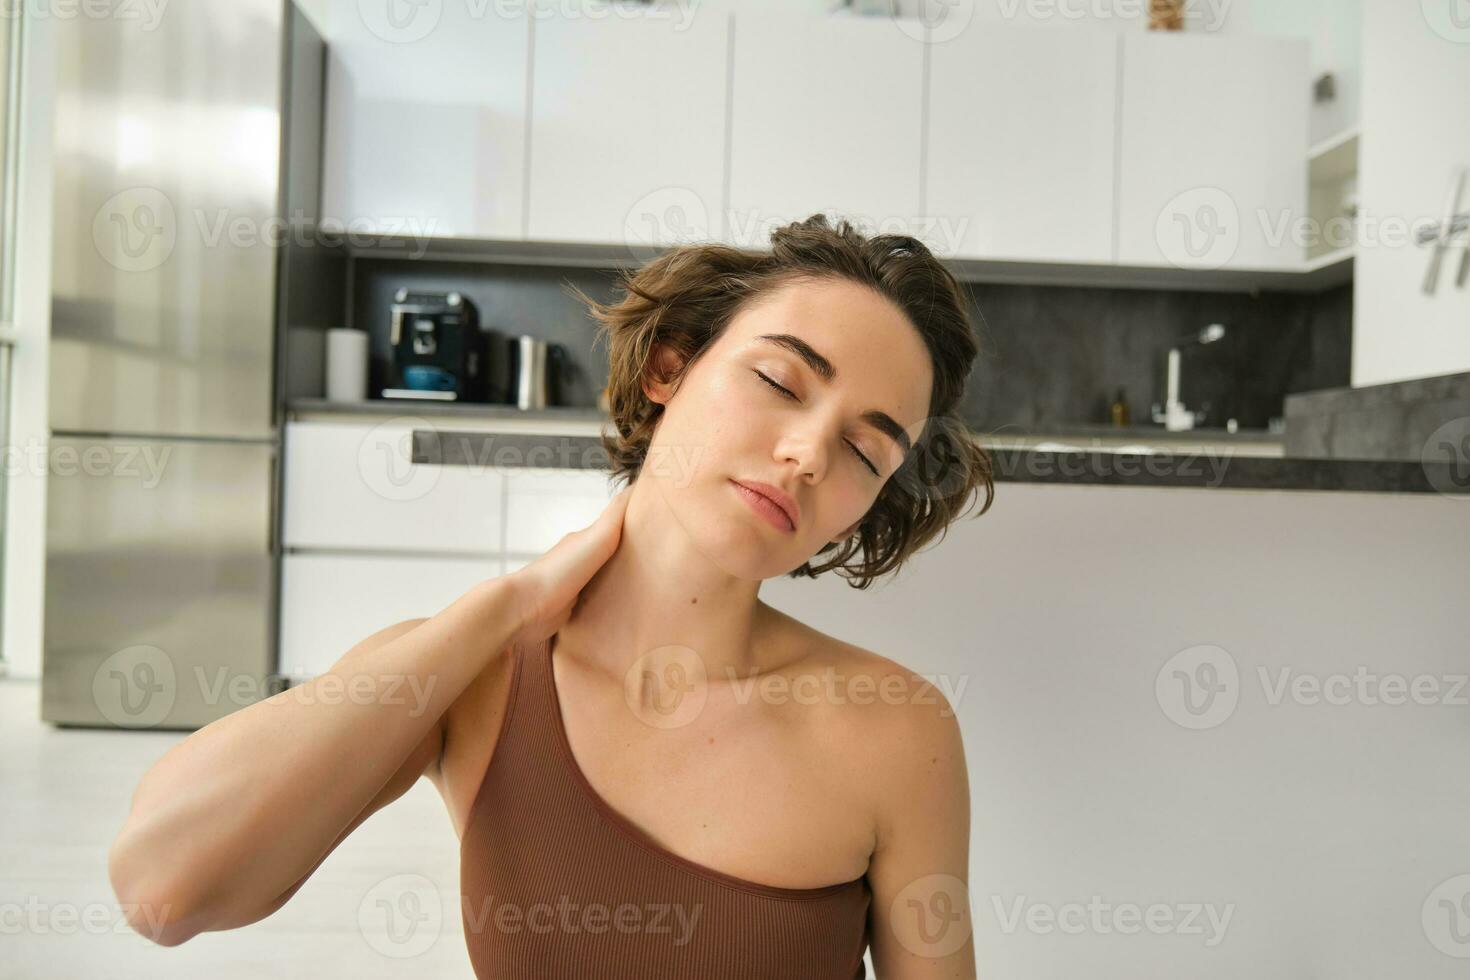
<point x="1336" y="157"/>
<point x="1332" y="169"/>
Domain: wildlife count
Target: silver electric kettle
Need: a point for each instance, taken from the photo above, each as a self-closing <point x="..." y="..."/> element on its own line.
<point x="534" y="367"/>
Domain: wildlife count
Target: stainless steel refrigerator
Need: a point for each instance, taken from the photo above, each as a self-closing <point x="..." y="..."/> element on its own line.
<point x="182" y="148"/>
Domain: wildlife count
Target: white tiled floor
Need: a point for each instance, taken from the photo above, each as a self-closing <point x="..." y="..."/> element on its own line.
<point x="384" y="904"/>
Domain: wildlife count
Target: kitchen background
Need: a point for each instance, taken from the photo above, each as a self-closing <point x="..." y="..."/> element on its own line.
<point x="1052" y="356"/>
<point x="1068" y="205"/>
<point x="1292" y="507"/>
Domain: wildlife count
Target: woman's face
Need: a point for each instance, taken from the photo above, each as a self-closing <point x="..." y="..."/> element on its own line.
<point x="824" y="444"/>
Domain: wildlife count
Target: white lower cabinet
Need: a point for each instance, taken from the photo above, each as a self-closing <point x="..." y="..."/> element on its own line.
<point x="331" y="602"/>
<point x="351" y="485"/>
<point x="543" y="505"/>
<point x="371" y="539"/>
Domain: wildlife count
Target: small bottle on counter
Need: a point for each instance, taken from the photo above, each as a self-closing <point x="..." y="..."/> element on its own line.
<point x="1118" y="411"/>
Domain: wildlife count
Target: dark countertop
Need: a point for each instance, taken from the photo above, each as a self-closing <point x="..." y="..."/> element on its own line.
<point x="1229" y="472"/>
<point x="426" y="408"/>
<point x="1425" y="417"/>
<point x="1138" y="433"/>
<point x="1004" y="435"/>
<point x="1203" y="458"/>
<point x="1184" y="468"/>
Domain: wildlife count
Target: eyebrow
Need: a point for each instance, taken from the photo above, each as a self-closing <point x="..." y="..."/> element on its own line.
<point x="827" y="371"/>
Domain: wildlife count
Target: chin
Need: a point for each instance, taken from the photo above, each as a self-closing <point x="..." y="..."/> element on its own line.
<point x="732" y="538"/>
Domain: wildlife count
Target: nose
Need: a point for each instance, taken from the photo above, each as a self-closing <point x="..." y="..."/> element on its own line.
<point x="807" y="445"/>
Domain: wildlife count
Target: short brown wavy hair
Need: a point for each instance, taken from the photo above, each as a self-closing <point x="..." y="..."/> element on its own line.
<point x="685" y="297"/>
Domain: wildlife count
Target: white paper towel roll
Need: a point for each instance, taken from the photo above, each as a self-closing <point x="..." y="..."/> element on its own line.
<point x="347" y="364"/>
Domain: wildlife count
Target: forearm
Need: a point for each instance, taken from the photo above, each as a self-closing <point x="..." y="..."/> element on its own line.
<point x="239" y="811"/>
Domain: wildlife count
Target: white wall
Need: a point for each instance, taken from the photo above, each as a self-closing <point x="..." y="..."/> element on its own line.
<point x="1326" y="827"/>
<point x="1416" y="131"/>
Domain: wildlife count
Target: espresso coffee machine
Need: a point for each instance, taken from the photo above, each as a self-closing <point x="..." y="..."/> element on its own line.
<point x="436" y="348"/>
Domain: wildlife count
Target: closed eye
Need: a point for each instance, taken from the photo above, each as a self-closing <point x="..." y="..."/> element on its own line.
<point x="793" y="397"/>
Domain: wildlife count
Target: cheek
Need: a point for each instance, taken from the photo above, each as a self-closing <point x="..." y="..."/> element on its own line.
<point x="710" y="427"/>
<point x="736" y="390"/>
<point x="735" y="413"/>
<point x="852" y="505"/>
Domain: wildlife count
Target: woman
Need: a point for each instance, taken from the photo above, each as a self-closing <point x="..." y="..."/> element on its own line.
<point x="654" y="774"/>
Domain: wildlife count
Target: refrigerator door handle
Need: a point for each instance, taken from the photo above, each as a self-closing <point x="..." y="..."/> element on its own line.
<point x="273" y="493"/>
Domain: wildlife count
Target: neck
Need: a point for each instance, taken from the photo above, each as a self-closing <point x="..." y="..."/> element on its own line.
<point x="658" y="590"/>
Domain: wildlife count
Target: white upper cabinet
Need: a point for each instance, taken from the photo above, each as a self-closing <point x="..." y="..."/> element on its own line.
<point x="628" y="127"/>
<point x="1021" y="142"/>
<point x="674" y="123"/>
<point x="826" y="115"/>
<point x="426" y="119"/>
<point x="1214" y="147"/>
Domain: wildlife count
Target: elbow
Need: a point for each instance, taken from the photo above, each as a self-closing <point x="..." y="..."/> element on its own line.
<point x="156" y="913"/>
<point x="163" y="920"/>
<point x="159" y="923"/>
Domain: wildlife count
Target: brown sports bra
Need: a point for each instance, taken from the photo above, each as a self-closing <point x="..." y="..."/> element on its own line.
<point x="554" y="883"/>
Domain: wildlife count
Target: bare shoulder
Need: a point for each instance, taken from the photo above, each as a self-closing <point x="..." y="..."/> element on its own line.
<point x="891" y="736"/>
<point x="878" y="692"/>
<point x="900" y="739"/>
<point x="900" y="725"/>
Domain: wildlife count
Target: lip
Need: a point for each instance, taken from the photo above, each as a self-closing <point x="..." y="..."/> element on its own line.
<point x="777" y="498"/>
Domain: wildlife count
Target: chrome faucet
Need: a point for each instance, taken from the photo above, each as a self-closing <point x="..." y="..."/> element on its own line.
<point x="1174" y="416"/>
<point x="1448" y="234"/>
